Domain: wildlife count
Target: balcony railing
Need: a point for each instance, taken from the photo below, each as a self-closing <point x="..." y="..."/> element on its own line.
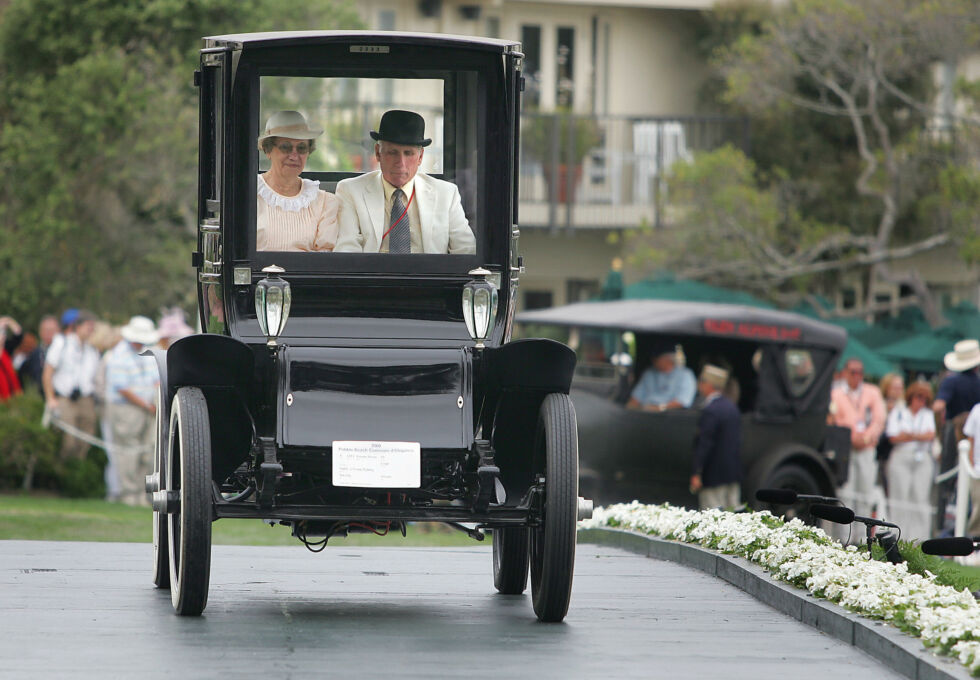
<point x="610" y="172"/>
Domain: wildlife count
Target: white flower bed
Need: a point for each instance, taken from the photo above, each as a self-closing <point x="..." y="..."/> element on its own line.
<point x="946" y="620"/>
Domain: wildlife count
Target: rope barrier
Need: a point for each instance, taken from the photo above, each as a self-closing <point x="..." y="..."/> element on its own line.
<point x="50" y="418"/>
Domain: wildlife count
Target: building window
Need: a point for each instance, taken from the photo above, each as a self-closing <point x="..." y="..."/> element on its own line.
<point x="531" y="41"/>
<point x="565" y="73"/>
<point x="492" y="27"/>
<point x="537" y="299"/>
<point x="581" y="290"/>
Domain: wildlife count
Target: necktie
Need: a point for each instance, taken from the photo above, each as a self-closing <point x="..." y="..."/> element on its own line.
<point x="399" y="238"/>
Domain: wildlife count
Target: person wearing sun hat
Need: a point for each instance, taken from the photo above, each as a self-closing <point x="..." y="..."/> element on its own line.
<point x="398" y="209"/>
<point x="959" y="390"/>
<point x="131" y="392"/>
<point x="293" y="213"/>
<point x="717" y="465"/>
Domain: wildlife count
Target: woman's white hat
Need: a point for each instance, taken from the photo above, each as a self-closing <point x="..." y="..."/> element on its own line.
<point x="288" y="124"/>
<point x="140" y="330"/>
<point x="965" y="355"/>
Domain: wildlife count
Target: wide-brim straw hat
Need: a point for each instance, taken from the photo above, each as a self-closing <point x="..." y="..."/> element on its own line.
<point x="965" y="355"/>
<point x="289" y="124"/>
<point x="140" y="330"/>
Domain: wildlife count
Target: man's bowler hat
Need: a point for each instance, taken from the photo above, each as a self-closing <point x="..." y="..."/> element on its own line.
<point x="401" y="127"/>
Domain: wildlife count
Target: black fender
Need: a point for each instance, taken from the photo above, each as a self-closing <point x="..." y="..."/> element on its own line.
<point x="789" y="454"/>
<point x="516" y="377"/>
<point x="223" y="368"/>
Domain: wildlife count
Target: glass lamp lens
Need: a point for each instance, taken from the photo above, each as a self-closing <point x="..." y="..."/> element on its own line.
<point x="481" y="313"/>
<point x="468" y="310"/>
<point x="273" y="311"/>
<point x="260" y="308"/>
<point x="287" y="299"/>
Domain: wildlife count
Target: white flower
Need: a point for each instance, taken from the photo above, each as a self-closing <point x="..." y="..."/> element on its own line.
<point x="944" y="618"/>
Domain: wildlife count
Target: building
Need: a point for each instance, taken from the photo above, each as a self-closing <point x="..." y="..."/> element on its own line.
<point x="610" y="102"/>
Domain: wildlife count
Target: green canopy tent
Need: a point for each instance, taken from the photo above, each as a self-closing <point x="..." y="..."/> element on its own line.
<point x="875" y="365"/>
<point x="922" y="352"/>
<point x="666" y="287"/>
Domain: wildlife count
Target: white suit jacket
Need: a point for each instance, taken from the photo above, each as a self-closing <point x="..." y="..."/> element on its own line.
<point x="362" y="215"/>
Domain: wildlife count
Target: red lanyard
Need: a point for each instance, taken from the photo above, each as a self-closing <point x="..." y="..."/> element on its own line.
<point x="405" y="212"/>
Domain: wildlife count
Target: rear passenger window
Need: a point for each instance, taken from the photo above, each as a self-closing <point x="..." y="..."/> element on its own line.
<point x="800" y="369"/>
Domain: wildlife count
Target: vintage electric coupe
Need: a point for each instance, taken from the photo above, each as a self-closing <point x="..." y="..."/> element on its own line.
<point x="361" y="392"/>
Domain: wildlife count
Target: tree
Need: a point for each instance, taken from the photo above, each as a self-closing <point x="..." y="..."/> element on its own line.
<point x="98" y="146"/>
<point x="855" y="78"/>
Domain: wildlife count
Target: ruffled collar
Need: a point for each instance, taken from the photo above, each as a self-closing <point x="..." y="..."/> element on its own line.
<point x="303" y="199"/>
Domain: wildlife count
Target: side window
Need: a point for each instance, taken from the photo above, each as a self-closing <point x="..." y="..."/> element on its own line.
<point x="800" y="369"/>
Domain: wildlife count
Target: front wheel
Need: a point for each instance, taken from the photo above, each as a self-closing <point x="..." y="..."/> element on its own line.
<point x="189" y="528"/>
<point x="793" y="477"/>
<point x="161" y="552"/>
<point x="552" y="544"/>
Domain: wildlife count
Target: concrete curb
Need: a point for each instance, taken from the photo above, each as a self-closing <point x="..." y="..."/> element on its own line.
<point x="893" y="648"/>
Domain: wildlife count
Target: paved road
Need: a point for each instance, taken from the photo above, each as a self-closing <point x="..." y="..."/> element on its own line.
<point x="88" y="610"/>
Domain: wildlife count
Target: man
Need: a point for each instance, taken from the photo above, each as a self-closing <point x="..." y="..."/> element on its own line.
<point x="717" y="468"/>
<point x="69" y="379"/>
<point x="859" y="406"/>
<point x="664" y="385"/>
<point x="398" y="209"/>
<point x="960" y="390"/>
<point x="33" y="366"/>
<point x="131" y="390"/>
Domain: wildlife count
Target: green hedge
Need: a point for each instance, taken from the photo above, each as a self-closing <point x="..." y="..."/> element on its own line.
<point x="29" y="454"/>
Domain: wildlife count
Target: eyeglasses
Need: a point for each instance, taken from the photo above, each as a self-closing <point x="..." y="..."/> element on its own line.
<point x="302" y="148"/>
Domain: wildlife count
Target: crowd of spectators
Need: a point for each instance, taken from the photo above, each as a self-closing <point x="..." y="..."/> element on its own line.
<point x="896" y="434"/>
<point x="98" y="386"/>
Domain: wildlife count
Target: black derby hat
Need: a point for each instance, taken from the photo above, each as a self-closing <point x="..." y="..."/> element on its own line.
<point x="401" y="127"/>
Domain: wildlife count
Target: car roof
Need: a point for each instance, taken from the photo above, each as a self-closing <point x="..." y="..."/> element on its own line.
<point x="289" y="38"/>
<point x="736" y="322"/>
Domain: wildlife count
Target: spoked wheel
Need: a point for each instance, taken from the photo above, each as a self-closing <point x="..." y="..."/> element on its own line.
<point x="510" y="558"/>
<point x="161" y="553"/>
<point x="552" y="545"/>
<point x="189" y="528"/>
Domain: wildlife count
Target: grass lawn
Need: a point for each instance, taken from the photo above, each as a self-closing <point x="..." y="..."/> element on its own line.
<point x="48" y="518"/>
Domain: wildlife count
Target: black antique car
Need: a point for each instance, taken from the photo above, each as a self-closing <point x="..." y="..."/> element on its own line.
<point x="361" y="392"/>
<point x="781" y="366"/>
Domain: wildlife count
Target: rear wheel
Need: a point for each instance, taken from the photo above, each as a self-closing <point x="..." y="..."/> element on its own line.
<point x="510" y="560"/>
<point x="552" y="544"/>
<point x="796" y="478"/>
<point x="189" y="474"/>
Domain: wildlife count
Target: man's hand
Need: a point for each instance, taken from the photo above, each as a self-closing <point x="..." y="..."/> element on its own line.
<point x="695" y="483"/>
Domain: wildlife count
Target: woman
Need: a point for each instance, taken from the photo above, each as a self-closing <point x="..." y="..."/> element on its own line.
<point x="911" y="428"/>
<point x="293" y="214"/>
<point x="893" y="391"/>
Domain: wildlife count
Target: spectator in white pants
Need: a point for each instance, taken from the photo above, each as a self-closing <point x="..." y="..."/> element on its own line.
<point x="859" y="406"/>
<point x="911" y="428"/>
<point x="131" y="389"/>
<point x="971" y="430"/>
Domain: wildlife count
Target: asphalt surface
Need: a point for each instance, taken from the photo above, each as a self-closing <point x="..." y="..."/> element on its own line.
<point x="89" y="610"/>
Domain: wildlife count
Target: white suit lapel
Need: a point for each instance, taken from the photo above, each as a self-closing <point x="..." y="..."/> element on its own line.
<point x="374" y="204"/>
<point x="424" y="199"/>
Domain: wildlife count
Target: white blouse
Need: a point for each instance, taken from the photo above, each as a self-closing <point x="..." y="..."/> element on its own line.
<point x="305" y="222"/>
<point x="902" y="421"/>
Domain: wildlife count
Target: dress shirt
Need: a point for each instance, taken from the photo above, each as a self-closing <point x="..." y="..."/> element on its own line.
<point x="862" y="410"/>
<point x="414" y="222"/>
<point x="656" y="388"/>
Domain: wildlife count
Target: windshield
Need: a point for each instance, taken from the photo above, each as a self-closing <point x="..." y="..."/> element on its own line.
<point x="368" y="164"/>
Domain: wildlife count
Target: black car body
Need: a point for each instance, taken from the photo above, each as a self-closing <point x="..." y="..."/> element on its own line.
<point x="374" y="406"/>
<point x="781" y="363"/>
